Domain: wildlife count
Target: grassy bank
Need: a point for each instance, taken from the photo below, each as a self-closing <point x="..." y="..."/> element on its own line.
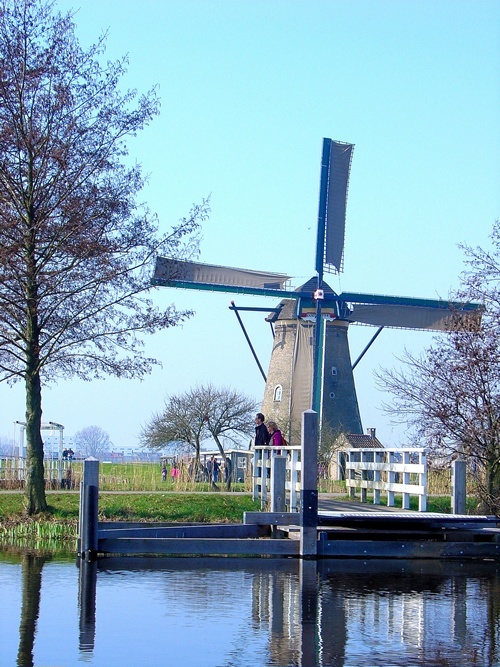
<point x="59" y="524"/>
<point x="204" y="508"/>
<point x="60" y="521"/>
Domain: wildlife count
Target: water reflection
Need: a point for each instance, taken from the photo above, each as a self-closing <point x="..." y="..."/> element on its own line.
<point x="87" y="586"/>
<point x="248" y="612"/>
<point x="32" y="582"/>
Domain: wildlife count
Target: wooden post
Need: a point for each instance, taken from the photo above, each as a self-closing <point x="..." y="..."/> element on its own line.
<point x="377" y="478"/>
<point x="309" y="493"/>
<point x="88" y="518"/>
<point x="256" y="471"/>
<point x="392" y="480"/>
<point x="278" y="478"/>
<point x="352" y="476"/>
<point x="406" y="480"/>
<point x="294" y="478"/>
<point x="458" y="489"/>
<point x="422" y="499"/>
<point x="364" y="477"/>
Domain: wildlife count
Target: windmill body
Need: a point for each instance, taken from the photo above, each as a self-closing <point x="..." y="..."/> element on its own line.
<point x="310" y="365"/>
<point x="289" y="386"/>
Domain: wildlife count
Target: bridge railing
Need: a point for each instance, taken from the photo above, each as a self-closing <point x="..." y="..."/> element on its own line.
<point x="262" y="482"/>
<point x="402" y="471"/>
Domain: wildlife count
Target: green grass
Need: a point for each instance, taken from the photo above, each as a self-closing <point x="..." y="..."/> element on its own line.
<point x="185" y="507"/>
<point x="182" y="507"/>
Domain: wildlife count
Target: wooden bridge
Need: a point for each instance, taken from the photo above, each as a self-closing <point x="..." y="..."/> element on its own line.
<point x="347" y="534"/>
<point x="334" y="530"/>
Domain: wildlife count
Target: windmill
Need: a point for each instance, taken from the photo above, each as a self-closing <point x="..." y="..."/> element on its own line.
<point x="310" y="363"/>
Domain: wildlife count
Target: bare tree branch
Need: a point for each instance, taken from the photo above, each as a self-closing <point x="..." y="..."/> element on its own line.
<point x="450" y="395"/>
<point x="77" y="248"/>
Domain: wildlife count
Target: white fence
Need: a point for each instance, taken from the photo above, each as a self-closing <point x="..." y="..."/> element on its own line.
<point x="262" y="475"/>
<point x="393" y="471"/>
<point x="390" y="470"/>
<point x="57" y="472"/>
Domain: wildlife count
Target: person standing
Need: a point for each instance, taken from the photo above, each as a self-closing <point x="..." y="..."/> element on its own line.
<point x="215" y="470"/>
<point x="262" y="435"/>
<point x="228" y="469"/>
<point x="209" y="468"/>
<point x="275" y="437"/>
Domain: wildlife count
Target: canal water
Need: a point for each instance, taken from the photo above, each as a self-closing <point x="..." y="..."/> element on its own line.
<point x="228" y="612"/>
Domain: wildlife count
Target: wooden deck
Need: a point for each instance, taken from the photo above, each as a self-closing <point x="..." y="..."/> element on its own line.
<point x="349" y="533"/>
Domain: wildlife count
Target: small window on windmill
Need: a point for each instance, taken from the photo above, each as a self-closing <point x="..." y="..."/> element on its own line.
<point x="278" y="391"/>
<point x="334" y="370"/>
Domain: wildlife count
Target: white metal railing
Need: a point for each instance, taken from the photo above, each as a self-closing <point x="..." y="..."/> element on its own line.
<point x="13" y="469"/>
<point x="262" y="475"/>
<point x="391" y="470"/>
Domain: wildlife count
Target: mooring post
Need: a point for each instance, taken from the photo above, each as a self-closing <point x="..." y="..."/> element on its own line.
<point x="88" y="516"/>
<point x="309" y="493"/>
<point x="278" y="478"/>
<point x="458" y="486"/>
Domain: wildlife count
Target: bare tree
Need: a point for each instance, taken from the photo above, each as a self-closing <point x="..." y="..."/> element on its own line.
<point x="92" y="441"/>
<point x="200" y="413"/>
<point x="227" y="413"/>
<point x="76" y="248"/>
<point x="481" y="278"/>
<point x="179" y="422"/>
<point x="450" y="394"/>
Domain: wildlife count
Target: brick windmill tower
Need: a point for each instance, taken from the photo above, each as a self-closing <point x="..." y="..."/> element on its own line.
<point x="310" y="365"/>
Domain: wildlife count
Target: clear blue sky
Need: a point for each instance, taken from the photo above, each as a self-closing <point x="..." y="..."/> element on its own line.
<point x="249" y="89"/>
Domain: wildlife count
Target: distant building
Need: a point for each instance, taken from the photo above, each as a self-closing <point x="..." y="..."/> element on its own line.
<point x="51" y="445"/>
<point x="347" y="441"/>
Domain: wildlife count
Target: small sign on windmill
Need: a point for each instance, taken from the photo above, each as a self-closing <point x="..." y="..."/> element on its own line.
<point x="310" y="365"/>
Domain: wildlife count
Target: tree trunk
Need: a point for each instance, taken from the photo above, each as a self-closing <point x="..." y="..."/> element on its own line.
<point x="35" y="483"/>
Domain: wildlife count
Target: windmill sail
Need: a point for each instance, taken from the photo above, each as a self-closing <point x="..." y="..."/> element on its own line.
<point x="406" y="317"/>
<point x="338" y="168"/>
<point x="408" y="313"/>
<point x="181" y="273"/>
<point x="310" y="361"/>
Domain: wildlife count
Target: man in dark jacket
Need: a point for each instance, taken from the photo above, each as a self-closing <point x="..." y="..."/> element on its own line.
<point x="262" y="435"/>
